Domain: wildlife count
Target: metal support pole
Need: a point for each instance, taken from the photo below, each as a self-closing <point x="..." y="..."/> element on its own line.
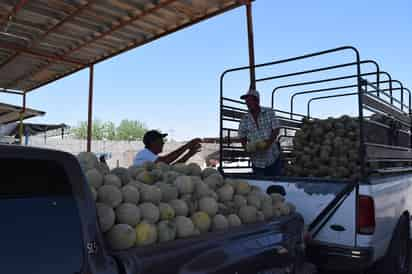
<point x="90" y="110"/>
<point x="251" y="45"/>
<point x="21" y="119"/>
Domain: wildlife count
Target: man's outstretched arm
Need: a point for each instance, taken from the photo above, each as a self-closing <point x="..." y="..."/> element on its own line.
<point x="172" y="156"/>
<point x="195" y="149"/>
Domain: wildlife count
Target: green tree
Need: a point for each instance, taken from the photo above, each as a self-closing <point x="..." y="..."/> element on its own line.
<point x="80" y="131"/>
<point x="130" y="130"/>
<point x="127" y="130"/>
<point x="98" y="130"/>
<point x="109" y="131"/>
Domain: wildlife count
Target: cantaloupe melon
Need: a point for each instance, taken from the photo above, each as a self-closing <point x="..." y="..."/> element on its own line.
<point x="123" y="174"/>
<point x="201" y="190"/>
<point x="162" y="166"/>
<point x="214" y="181"/>
<point x="201" y="221"/>
<point x="109" y="195"/>
<point x="151" y="194"/>
<point x="106" y="216"/>
<point x="146" y="234"/>
<point x="194" y="169"/>
<point x="94" y="193"/>
<point x="254" y="200"/>
<point x="180" y="168"/>
<point x="145" y="177"/>
<point x="134" y="171"/>
<point x="121" y="236"/>
<point x="166" y="231"/>
<point x="208" y="205"/>
<point x="248" y="214"/>
<point x="234" y="220"/>
<point x="208" y="171"/>
<point x="242" y="188"/>
<point x="167" y="212"/>
<point x="169" y="192"/>
<point x="239" y="201"/>
<point x="130" y="194"/>
<point x="225" y="193"/>
<point x="184" y="227"/>
<point x="149" y="212"/>
<point x="180" y="207"/>
<point x="220" y="223"/>
<point x="87" y="160"/>
<point x="112" y="179"/>
<point x="127" y="214"/>
<point x="184" y="184"/>
<point x="94" y="178"/>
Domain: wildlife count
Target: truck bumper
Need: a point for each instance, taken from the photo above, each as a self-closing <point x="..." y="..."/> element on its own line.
<point x="339" y="258"/>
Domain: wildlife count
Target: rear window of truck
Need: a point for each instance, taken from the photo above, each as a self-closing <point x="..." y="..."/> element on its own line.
<point x="33" y="178"/>
<point x="40" y="230"/>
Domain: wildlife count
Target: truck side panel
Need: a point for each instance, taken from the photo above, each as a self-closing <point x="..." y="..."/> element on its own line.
<point x="311" y="197"/>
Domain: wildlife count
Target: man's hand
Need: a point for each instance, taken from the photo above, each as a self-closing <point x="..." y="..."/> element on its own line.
<point x="194" y="143"/>
<point x="195" y="148"/>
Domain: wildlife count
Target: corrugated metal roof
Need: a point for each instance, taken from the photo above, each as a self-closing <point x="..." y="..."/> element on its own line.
<point x="11" y="113"/>
<point x="44" y="40"/>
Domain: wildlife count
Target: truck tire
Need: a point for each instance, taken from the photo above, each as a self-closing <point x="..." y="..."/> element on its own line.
<point x="397" y="258"/>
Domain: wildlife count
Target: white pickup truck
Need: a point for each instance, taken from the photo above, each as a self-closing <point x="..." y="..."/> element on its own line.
<point x="353" y="225"/>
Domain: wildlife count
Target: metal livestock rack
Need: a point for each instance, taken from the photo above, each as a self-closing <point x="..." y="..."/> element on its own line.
<point x="376" y="93"/>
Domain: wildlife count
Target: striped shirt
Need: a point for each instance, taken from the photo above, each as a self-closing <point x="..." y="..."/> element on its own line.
<point x="267" y="122"/>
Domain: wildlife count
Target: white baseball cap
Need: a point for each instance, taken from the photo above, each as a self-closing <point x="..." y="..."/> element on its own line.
<point x="251" y="92"/>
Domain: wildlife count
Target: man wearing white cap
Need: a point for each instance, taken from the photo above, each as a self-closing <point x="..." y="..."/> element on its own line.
<point x="261" y="125"/>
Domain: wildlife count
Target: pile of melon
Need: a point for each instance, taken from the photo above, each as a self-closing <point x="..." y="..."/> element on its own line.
<point x="140" y="206"/>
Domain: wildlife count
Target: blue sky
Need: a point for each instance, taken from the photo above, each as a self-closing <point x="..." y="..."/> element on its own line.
<point x="173" y="83"/>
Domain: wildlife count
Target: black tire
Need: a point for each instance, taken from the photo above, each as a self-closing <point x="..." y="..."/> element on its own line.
<point x="397" y="258"/>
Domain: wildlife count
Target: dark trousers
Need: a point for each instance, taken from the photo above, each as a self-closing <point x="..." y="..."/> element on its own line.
<point x="274" y="169"/>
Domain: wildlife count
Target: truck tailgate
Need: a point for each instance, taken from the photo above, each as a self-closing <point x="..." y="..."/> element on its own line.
<point x="247" y="249"/>
<point x="311" y="197"/>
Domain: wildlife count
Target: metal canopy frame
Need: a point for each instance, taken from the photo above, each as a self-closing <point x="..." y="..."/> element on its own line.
<point x="60" y="38"/>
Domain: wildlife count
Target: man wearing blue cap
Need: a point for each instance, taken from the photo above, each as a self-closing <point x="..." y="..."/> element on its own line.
<point x="261" y="125"/>
<point x="154" y="142"/>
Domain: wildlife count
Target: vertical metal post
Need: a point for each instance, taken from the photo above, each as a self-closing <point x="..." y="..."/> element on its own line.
<point x="362" y="149"/>
<point x="21" y="119"/>
<point x="251" y="45"/>
<point x="90" y="110"/>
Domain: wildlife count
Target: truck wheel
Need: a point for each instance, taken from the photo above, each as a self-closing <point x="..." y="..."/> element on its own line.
<point x="397" y="259"/>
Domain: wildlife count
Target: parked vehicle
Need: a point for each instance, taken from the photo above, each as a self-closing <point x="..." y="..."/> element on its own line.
<point x="354" y="224"/>
<point x="51" y="226"/>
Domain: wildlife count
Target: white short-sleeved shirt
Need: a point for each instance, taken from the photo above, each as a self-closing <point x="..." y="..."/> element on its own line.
<point x="248" y="129"/>
<point x="143" y="156"/>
